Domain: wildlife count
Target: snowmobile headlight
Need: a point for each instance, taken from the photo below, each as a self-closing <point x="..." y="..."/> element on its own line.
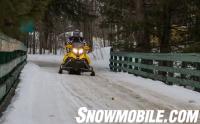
<point x="75" y="50"/>
<point x="80" y="51"/>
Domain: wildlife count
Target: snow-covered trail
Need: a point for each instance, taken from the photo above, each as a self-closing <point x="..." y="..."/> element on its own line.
<point x="45" y="97"/>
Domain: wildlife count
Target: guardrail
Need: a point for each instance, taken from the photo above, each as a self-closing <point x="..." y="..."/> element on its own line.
<point x="172" y="68"/>
<point x="12" y="59"/>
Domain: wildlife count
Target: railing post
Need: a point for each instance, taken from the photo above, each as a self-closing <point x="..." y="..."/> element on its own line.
<point x="125" y="66"/>
<point x="120" y="64"/>
<point x="111" y="63"/>
<point x="115" y="64"/>
<point x="130" y="66"/>
<point x="136" y="61"/>
<point x="147" y="62"/>
<point x="162" y="73"/>
<point x="198" y="78"/>
<point x="170" y="74"/>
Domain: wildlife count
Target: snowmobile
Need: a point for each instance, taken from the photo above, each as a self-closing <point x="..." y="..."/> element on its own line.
<point x="76" y="60"/>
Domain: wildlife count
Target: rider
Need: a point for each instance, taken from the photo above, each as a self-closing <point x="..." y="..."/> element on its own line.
<point x="77" y="53"/>
<point x="76" y="37"/>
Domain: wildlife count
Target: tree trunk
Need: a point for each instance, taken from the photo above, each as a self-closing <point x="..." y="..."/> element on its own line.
<point x="165" y="40"/>
<point x="41" y="42"/>
<point x="50" y="42"/>
<point x="166" y="31"/>
<point x="56" y="44"/>
<point x="34" y="42"/>
<point x="30" y="43"/>
<point x="45" y="41"/>
<point x="142" y="36"/>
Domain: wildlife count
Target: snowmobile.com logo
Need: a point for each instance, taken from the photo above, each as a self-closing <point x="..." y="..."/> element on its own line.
<point x="136" y="116"/>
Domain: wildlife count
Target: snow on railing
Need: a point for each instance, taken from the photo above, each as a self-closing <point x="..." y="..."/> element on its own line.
<point x="12" y="59"/>
<point x="172" y="68"/>
<point x="8" y="44"/>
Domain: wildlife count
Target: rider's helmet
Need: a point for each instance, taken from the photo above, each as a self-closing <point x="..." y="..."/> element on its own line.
<point x="76" y="33"/>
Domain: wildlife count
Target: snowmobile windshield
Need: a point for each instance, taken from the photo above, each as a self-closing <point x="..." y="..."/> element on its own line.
<point x="76" y="39"/>
<point x="77" y="45"/>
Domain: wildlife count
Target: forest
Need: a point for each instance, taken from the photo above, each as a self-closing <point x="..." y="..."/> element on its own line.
<point x="128" y="25"/>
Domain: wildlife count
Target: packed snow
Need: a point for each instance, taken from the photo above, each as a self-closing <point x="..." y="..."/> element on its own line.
<point x="45" y="97"/>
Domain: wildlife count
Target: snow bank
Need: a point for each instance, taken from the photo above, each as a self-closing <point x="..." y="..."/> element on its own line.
<point x="45" y="58"/>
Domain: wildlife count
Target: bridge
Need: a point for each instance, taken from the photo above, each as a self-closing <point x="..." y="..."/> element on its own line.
<point x="43" y="96"/>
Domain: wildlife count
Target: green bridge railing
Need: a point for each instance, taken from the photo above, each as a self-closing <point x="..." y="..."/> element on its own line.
<point x="12" y="59"/>
<point x="172" y="68"/>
